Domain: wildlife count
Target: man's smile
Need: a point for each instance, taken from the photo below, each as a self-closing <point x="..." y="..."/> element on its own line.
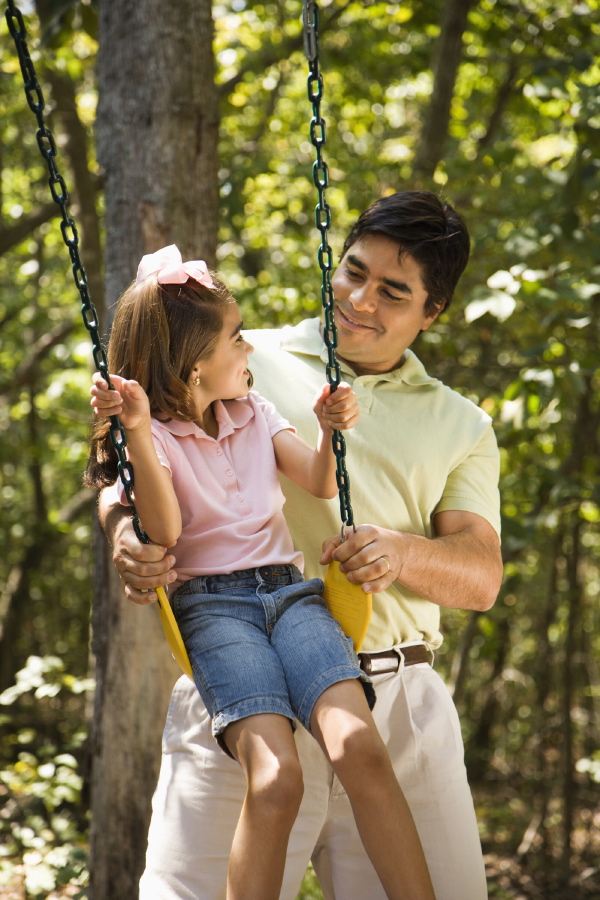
<point x="351" y="322"/>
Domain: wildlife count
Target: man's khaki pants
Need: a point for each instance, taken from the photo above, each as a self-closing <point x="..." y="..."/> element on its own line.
<point x="200" y="792"/>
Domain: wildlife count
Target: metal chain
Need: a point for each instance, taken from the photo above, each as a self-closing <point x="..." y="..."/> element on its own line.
<point x="60" y="195"/>
<point x="310" y="21"/>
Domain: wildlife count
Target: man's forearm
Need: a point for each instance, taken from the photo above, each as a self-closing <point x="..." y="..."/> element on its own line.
<point x="460" y="568"/>
<point x="459" y="571"/>
<point x="111" y="511"/>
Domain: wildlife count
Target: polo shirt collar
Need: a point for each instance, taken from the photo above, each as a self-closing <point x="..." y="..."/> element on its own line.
<point x="236" y="414"/>
<point x="306" y="338"/>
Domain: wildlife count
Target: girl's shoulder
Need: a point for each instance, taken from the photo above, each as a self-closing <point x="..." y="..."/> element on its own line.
<point x="259" y="409"/>
<point x="261" y="405"/>
<point x="268" y="411"/>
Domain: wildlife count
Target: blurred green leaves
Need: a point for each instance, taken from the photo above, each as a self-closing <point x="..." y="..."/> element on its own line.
<point x="521" y="161"/>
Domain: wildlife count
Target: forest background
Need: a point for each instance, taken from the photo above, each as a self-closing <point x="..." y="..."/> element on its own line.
<point x="495" y="104"/>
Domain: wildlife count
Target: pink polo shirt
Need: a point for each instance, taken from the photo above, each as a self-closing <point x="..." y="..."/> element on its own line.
<point x="228" y="490"/>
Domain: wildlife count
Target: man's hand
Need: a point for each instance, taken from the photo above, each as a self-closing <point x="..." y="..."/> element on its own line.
<point x="142" y="567"/>
<point x="461" y="567"/>
<point x="369" y="556"/>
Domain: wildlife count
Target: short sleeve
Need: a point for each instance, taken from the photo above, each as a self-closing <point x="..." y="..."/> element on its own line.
<point x="275" y="422"/>
<point x="159" y="436"/>
<point x="473" y="485"/>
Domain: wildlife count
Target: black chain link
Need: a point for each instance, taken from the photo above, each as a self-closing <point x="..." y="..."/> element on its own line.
<point x="310" y="21"/>
<point x="60" y="195"/>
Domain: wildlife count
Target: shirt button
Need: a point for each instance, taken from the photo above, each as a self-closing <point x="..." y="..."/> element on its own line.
<point x="240" y="499"/>
<point x="229" y="472"/>
<point x="219" y="452"/>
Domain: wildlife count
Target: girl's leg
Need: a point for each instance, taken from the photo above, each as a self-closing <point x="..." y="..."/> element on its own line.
<point x="342" y="724"/>
<point x="265" y="748"/>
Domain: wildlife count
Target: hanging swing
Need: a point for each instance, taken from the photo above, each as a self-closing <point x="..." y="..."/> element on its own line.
<point x="347" y="602"/>
<point x="60" y="195"/>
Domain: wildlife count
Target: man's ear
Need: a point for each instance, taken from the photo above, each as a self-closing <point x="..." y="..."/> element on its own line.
<point x="429" y="319"/>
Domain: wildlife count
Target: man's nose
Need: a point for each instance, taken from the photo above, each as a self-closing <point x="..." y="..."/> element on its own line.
<point x="364" y="297"/>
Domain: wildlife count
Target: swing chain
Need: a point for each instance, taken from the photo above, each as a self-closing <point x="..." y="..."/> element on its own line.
<point x="60" y="195"/>
<point x="310" y="21"/>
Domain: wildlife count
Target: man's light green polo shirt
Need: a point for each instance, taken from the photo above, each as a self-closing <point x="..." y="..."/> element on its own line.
<point x="418" y="449"/>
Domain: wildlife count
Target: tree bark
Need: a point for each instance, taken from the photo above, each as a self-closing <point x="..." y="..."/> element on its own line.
<point x="157" y="132"/>
<point x="446" y="60"/>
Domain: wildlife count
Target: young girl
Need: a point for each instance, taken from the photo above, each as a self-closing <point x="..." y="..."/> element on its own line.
<point x="263" y="648"/>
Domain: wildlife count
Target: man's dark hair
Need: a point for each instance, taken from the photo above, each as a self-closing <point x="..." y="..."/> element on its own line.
<point x="429" y="231"/>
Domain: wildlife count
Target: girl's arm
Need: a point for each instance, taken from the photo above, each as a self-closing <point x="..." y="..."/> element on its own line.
<point x="314" y="470"/>
<point x="155" y="498"/>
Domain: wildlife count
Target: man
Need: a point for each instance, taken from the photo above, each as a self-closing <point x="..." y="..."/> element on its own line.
<point x="424" y="467"/>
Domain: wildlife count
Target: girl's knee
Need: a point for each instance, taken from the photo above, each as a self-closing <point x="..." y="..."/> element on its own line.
<point x="359" y="747"/>
<point x="276" y="784"/>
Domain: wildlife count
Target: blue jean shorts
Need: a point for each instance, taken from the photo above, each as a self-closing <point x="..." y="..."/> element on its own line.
<point x="262" y="641"/>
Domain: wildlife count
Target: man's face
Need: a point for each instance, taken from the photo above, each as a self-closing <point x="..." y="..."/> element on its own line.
<point x="379" y="305"/>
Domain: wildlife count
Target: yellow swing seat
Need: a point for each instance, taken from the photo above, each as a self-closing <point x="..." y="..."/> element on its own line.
<point x="348" y="603"/>
<point x="172" y="633"/>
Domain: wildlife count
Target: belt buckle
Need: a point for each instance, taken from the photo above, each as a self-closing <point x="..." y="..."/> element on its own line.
<point x="373" y="665"/>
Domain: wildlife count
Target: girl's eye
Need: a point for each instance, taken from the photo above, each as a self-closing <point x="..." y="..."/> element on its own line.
<point x="239" y="338"/>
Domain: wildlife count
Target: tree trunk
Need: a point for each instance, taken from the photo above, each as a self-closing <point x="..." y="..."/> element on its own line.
<point x="157" y="132"/>
<point x="46" y="541"/>
<point x="543" y="680"/>
<point x="460" y="662"/>
<point x="571" y="648"/>
<point x="446" y="60"/>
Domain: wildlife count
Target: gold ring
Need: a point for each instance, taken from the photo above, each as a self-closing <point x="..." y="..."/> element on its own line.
<point x="388" y="564"/>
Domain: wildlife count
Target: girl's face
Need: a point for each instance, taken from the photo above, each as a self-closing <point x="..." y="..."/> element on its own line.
<point x="224" y="375"/>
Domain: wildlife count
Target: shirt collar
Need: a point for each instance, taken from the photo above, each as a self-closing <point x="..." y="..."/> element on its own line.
<point x="230" y="415"/>
<point x="306" y="338"/>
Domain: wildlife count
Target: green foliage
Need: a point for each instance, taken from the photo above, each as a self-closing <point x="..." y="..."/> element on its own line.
<point x="43" y="410"/>
<point x="310" y="889"/>
<point x="522" y="162"/>
<point x="41" y="820"/>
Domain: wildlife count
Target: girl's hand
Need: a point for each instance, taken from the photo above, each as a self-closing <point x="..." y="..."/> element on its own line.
<point x="337" y="411"/>
<point x="128" y="401"/>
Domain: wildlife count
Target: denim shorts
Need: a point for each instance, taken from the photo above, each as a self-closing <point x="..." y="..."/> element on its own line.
<point x="262" y="641"/>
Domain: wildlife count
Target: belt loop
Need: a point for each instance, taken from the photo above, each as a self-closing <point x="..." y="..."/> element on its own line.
<point x="401" y="655"/>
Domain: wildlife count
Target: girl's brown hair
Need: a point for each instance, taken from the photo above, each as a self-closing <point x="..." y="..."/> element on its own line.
<point x="159" y="332"/>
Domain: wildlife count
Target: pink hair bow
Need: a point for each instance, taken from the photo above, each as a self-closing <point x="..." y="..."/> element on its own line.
<point x="170" y="268"/>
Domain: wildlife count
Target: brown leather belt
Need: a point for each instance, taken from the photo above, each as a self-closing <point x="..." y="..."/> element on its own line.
<point x="389" y="660"/>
